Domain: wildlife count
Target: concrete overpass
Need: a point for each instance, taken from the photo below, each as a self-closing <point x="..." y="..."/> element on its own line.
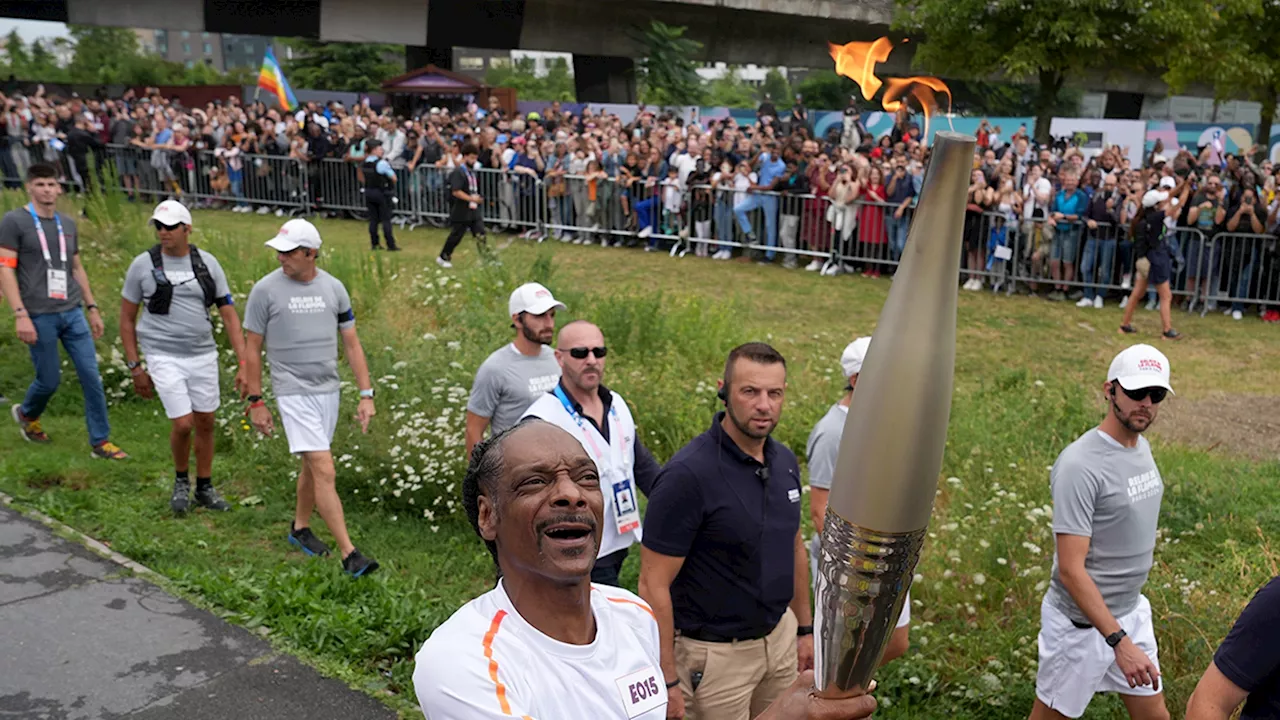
<point x="791" y="33"/>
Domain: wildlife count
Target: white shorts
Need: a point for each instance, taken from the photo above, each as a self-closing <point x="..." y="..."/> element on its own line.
<point x="309" y="421"/>
<point x="1076" y="663"/>
<point x="186" y="384"/>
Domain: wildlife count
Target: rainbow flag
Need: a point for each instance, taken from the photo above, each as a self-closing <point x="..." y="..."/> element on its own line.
<point x="271" y="79"/>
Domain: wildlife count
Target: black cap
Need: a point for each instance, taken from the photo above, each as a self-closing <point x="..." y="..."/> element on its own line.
<point x="371" y="144"/>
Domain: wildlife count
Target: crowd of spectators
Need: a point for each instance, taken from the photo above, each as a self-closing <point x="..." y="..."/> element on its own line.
<point x="716" y="186"/>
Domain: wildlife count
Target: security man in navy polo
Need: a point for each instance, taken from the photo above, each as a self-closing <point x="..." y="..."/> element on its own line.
<point x="723" y="563"/>
<point x="379" y="189"/>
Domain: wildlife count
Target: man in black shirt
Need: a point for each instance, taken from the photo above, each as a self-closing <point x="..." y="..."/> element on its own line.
<point x="465" y="212"/>
<point x="379" y="189"/>
<point x="1246" y="667"/>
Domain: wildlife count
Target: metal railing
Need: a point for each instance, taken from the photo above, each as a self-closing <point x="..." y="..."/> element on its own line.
<point x="1003" y="251"/>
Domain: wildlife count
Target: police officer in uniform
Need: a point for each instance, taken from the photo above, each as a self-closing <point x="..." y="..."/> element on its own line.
<point x="379" y="190"/>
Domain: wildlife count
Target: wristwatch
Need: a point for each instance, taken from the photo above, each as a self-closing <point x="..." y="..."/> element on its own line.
<point x="1114" y="638"/>
<point x="253" y="399"/>
<point x="133" y="364"/>
<point x="367" y="393"/>
<point x="803" y="630"/>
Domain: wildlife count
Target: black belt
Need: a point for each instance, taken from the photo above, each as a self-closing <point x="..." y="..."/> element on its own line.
<point x="1082" y="626"/>
<point x="707" y="636"/>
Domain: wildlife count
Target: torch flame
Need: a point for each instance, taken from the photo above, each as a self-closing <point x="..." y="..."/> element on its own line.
<point x="857" y="61"/>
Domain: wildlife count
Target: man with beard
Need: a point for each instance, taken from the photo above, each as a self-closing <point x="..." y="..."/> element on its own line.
<point x="545" y="642"/>
<point x="723" y="563"/>
<point x="515" y="375"/>
<point x="601" y="420"/>
<point x="1096" y="631"/>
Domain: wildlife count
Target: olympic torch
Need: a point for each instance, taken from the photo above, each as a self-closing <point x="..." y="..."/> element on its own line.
<point x="891" y="450"/>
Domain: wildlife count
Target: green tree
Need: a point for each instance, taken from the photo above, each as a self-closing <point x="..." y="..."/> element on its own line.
<point x="16" y="50"/>
<point x="729" y="90"/>
<point x="825" y="90"/>
<point x="43" y="65"/>
<point x="523" y="77"/>
<point x="776" y="87"/>
<point x="103" y="55"/>
<point x="668" y="75"/>
<point x="348" y="67"/>
<point x="1237" y="52"/>
<point x="1058" y="41"/>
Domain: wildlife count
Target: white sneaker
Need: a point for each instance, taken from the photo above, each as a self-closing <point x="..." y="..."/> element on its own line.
<point x="279" y="212"/>
<point x="1237" y="315"/>
<point x="1126" y="282"/>
<point x="1084" y="302"/>
<point x="1097" y="302"/>
<point x="646" y="232"/>
<point x="814" y="266"/>
<point x="263" y="210"/>
<point x="443" y="263"/>
<point x="1124" y="301"/>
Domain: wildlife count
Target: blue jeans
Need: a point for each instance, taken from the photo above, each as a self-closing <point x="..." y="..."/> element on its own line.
<point x="724" y="222"/>
<point x="1246" y="274"/>
<point x="1099" y="255"/>
<point x="73" y="330"/>
<point x="645" y="212"/>
<point x="897" y="233"/>
<point x="768" y="204"/>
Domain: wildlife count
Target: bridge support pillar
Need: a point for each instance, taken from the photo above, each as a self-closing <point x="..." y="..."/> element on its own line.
<point x="604" y="79"/>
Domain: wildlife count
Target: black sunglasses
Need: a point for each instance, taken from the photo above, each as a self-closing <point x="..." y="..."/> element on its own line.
<point x="161" y="226"/>
<point x="580" y="353"/>
<point x="1157" y="394"/>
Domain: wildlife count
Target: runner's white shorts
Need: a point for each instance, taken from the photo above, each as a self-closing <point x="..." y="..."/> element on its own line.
<point x="309" y="421"/>
<point x="1076" y="663"/>
<point x="185" y="384"/>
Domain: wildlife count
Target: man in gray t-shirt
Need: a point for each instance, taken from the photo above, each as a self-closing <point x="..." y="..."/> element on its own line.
<point x="822" y="450"/>
<point x="1096" y="628"/>
<point x="298" y="312"/>
<point x="515" y="375"/>
<point x="177" y="336"/>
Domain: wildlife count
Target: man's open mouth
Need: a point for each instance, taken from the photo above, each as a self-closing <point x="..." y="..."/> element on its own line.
<point x="568" y="532"/>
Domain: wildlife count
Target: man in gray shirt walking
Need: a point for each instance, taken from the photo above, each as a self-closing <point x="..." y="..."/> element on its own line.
<point x="1096" y="629"/>
<point x="175" y="284"/>
<point x="299" y="311"/>
<point x="515" y="375"/>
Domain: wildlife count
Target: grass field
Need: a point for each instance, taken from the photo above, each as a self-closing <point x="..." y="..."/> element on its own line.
<point x="1028" y="382"/>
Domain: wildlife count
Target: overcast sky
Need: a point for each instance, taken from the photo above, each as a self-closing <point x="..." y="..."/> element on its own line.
<point x="33" y="29"/>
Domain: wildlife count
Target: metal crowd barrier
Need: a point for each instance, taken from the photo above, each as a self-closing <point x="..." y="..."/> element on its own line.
<point x="1248" y="271"/>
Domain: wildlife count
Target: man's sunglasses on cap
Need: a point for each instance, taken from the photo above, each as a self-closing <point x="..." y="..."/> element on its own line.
<point x="1157" y="394"/>
<point x="161" y="226"/>
<point x="580" y="353"/>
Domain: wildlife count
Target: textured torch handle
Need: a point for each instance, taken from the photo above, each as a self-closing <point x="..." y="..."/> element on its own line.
<point x="863" y="579"/>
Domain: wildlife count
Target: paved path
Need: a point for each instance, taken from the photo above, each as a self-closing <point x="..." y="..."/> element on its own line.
<point x="80" y="641"/>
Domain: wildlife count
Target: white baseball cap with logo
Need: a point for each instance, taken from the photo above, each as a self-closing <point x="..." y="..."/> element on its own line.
<point x="532" y="298"/>
<point x="1140" y="366"/>
<point x="171" y="212"/>
<point x="853" y="356"/>
<point x="297" y="233"/>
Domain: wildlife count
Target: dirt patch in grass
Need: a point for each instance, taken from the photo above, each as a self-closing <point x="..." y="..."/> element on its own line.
<point x="1247" y="425"/>
<point x="74" y="480"/>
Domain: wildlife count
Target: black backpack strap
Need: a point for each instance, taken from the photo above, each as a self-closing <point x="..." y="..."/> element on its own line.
<point x="205" y="279"/>
<point x="157" y="261"/>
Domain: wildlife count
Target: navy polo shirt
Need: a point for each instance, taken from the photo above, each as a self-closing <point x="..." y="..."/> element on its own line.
<point x="735" y="530"/>
<point x="1250" y="655"/>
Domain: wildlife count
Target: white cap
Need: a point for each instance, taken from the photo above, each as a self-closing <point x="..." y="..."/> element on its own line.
<point x="297" y="233"/>
<point x="1140" y="366"/>
<point x="171" y="212"/>
<point x="1168" y="182"/>
<point x="853" y="356"/>
<point x="532" y="298"/>
<point x="1153" y="198"/>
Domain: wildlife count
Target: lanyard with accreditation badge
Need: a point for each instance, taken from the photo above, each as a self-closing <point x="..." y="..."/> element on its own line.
<point x="626" y="513"/>
<point x="56" y="280"/>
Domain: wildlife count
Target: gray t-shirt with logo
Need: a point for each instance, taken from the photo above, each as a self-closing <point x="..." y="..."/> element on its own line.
<point x="300" y="323"/>
<point x="18" y="233"/>
<point x="1110" y="494"/>
<point x="186" y="330"/>
<point x="508" y="382"/>
<point x="822" y="450"/>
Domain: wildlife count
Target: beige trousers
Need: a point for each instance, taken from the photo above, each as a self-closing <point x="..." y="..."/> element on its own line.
<point x="739" y="679"/>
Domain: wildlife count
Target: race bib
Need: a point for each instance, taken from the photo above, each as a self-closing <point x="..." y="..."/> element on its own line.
<point x="641" y="692"/>
<point x="57" y="283"/>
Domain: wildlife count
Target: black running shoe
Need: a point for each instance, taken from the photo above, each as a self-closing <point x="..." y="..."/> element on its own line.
<point x="180" y="502"/>
<point x="306" y="541"/>
<point x="1171" y="335"/>
<point x="207" y="497"/>
<point x="1127" y="330"/>
<point x="356" y="564"/>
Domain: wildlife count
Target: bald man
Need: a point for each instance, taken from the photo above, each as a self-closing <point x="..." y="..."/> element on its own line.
<point x="600" y="419"/>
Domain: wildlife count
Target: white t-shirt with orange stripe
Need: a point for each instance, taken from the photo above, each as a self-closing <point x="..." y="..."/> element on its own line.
<point x="487" y="662"/>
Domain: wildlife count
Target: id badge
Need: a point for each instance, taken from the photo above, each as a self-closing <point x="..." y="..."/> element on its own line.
<point x="626" y="513"/>
<point x="57" y="283"/>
